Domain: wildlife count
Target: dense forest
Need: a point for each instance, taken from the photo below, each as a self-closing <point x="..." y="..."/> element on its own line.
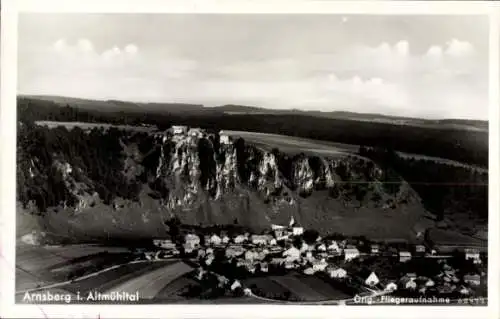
<point x="442" y="187"/>
<point x="454" y="144"/>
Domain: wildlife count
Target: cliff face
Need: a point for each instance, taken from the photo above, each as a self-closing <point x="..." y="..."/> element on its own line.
<point x="204" y="179"/>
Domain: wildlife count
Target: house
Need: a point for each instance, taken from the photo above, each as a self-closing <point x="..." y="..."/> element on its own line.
<point x="408" y="283"/>
<point x="164" y="243"/>
<point x="215" y="240"/>
<point x="321" y="247"/>
<point x="392" y="286"/>
<point x="251" y="255"/>
<point x="201" y="253"/>
<point x="292" y="254"/>
<point x="337" y="272"/>
<point x="281" y="234"/>
<point x="429" y="283"/>
<point x="372" y="280"/>
<point x="309" y="271"/>
<point x="309" y="256"/>
<point x="422" y="290"/>
<point x="225" y="239"/>
<point x="289" y="265"/>
<point x="464" y="290"/>
<point x="304" y="247"/>
<point x="264" y="267"/>
<point x="333" y="246"/>
<point x="297" y="231"/>
<point x="420" y="249"/>
<point x="277" y="261"/>
<point x="179" y="129"/>
<point x="276" y="227"/>
<point x="200" y="274"/>
<point x="273" y="242"/>
<point x="319" y="265"/>
<point x="351" y="253"/>
<point x="236" y="284"/>
<point x="375" y="249"/>
<point x="404" y="256"/>
<point x="240" y="239"/>
<point x="209" y="259"/>
<point x="234" y="251"/>
<point x="474" y="280"/>
<point x="196" y="132"/>
<point x="224" y="138"/>
<point x="473" y="254"/>
<point x="260" y="239"/>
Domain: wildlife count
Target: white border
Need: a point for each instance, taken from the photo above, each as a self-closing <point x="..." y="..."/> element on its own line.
<point x="8" y="130"/>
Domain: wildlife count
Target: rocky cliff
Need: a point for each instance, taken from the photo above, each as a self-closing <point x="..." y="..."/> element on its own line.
<point x="206" y="179"/>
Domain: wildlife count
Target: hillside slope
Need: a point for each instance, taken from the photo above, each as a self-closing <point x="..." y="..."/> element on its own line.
<point x="94" y="184"/>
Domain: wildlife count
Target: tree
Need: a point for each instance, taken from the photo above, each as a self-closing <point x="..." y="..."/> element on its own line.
<point x="310" y="236"/>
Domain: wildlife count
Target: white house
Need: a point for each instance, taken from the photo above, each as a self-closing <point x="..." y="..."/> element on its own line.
<point x="309" y="271"/>
<point x="322" y="247"/>
<point x="251" y="255"/>
<point x="472" y="254"/>
<point x="264" y="267"/>
<point x="273" y="242"/>
<point x="297" y="231"/>
<point x="225" y="239"/>
<point x="464" y="290"/>
<point x="429" y="283"/>
<point x="334" y="247"/>
<point x="372" y="280"/>
<point x="375" y="249"/>
<point x="474" y="280"/>
<point x="196" y="132"/>
<point x="261" y="239"/>
<point x="404" y="256"/>
<point x="292" y="254"/>
<point x="164" y="243"/>
<point x="337" y="273"/>
<point x="179" y="129"/>
<point x="309" y="256"/>
<point x="215" y="240"/>
<point x="209" y="259"/>
<point x="351" y="253"/>
<point x="281" y="234"/>
<point x="391" y="287"/>
<point x="224" y="138"/>
<point x="420" y="249"/>
<point x="236" y="284"/>
<point x="240" y="239"/>
<point x="234" y="251"/>
<point x="304" y="247"/>
<point x="276" y="227"/>
<point x="319" y="265"/>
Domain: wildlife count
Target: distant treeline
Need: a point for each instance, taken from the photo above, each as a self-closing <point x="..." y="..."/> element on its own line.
<point x="454" y="144"/>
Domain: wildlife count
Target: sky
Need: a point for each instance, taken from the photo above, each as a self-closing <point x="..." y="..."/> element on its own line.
<point x="403" y="65"/>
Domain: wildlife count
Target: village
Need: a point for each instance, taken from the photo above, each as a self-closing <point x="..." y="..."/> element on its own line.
<point x="354" y="265"/>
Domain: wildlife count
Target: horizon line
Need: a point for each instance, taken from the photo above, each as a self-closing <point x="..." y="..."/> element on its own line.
<point x="252" y="106"/>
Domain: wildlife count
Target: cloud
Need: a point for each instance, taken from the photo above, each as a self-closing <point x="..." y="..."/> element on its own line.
<point x="390" y="78"/>
<point x="453" y="48"/>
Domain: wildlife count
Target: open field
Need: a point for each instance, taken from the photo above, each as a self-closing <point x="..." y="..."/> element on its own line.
<point x="293" y="145"/>
<point x="151" y="283"/>
<point x="300" y="287"/>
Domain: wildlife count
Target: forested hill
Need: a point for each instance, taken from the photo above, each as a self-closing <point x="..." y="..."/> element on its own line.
<point x="461" y="145"/>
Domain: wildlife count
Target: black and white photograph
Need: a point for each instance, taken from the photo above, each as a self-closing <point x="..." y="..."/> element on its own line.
<point x="252" y="159"/>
